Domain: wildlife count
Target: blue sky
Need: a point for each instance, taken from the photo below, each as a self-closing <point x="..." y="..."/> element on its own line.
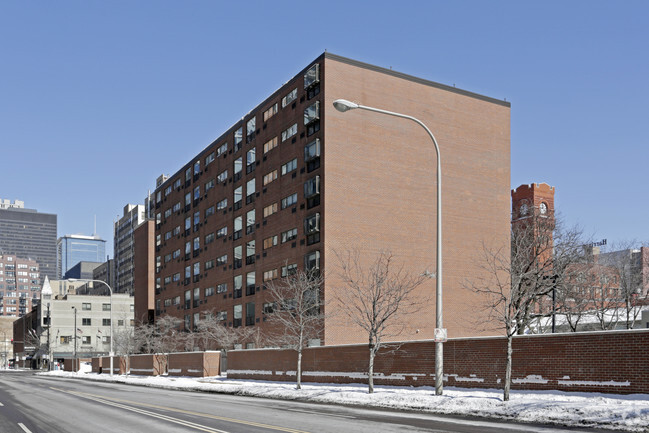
<point x="97" y="97"/>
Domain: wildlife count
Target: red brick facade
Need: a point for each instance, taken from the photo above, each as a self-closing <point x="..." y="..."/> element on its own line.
<point x="614" y="361"/>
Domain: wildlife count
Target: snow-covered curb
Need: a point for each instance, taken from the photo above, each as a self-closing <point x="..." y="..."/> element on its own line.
<point x="621" y="412"/>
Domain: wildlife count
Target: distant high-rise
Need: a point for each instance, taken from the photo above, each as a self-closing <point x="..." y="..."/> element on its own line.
<point x="134" y="215"/>
<point x="72" y="249"/>
<point x="27" y="233"/>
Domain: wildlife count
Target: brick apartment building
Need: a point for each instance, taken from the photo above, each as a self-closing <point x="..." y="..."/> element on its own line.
<point x="20" y="285"/>
<point x="295" y="181"/>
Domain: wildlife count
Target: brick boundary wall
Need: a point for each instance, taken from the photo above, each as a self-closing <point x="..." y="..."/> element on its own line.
<point x="611" y="361"/>
<point x="196" y="364"/>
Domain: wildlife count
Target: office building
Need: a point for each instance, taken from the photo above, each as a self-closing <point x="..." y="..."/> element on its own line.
<point x="72" y="249"/>
<point x="27" y="233"/>
<point x="105" y="272"/>
<point x="295" y="181"/>
<point x="134" y="215"/>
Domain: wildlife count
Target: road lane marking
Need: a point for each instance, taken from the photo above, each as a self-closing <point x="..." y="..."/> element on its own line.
<point x="25" y="429"/>
<point x="108" y="400"/>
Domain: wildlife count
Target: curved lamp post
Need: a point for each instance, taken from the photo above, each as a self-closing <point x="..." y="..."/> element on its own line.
<point x="111" y="353"/>
<point x="343" y="105"/>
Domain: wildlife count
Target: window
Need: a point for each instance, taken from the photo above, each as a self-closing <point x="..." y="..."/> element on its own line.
<point x="197" y="192"/>
<point x="270" y="112"/>
<point x="250" y="191"/>
<point x="222" y="288"/>
<point x="289" y="166"/>
<point x="210" y="158"/>
<point x="188" y="272"/>
<point x="250" y="283"/>
<point x="270" y="144"/>
<point x="238" y="284"/>
<point x="222" y="204"/>
<point x="270" y="275"/>
<point x="188" y="224"/>
<point x="250" y="252"/>
<point x="188" y="175"/>
<point x="238" y="226"/>
<point x="270" y="242"/>
<point x="209" y="238"/>
<point x="312" y="113"/>
<point x="209" y="185"/>
<point x="177" y="207"/>
<point x="289" y="269"/>
<point x="238" y="255"/>
<point x="167" y="235"/>
<point x="250" y="313"/>
<point x="312" y="228"/>
<point x="251" y="125"/>
<point x="176" y="277"/>
<point x="209" y="264"/>
<point x="188" y="199"/>
<point x="250" y="160"/>
<point x="238" y="192"/>
<point x="268" y="178"/>
<point x="238" y="138"/>
<point x="188" y="248"/>
<point x="312" y="187"/>
<point x="168" y="302"/>
<point x="312" y="155"/>
<point x="312" y="76"/>
<point x="65" y="339"/>
<point x="105" y="339"/>
<point x="105" y="307"/>
<point x="222" y="149"/>
<point x="105" y="322"/>
<point x="292" y="96"/>
<point x="270" y="209"/>
<point x="158" y="240"/>
<point x="86" y="340"/>
<point x="168" y="213"/>
<point x="210" y="211"/>
<point x="289" y="201"/>
<point x="197" y="297"/>
<point x="222" y="260"/>
<point x="222" y="177"/>
<point x="237" y="312"/>
<point x="176" y="300"/>
<point x="167" y="280"/>
<point x="250" y="222"/>
<point x="209" y="291"/>
<point x="86" y="306"/>
<point x="177" y="183"/>
<point x="312" y="261"/>
<point x="188" y="299"/>
<point x="86" y="322"/>
<point x="238" y="166"/>
<point x="176" y="231"/>
<point x="288" y="133"/>
<point x="197" y="243"/>
<point x="289" y="235"/>
<point x="197" y="168"/>
<point x="120" y="323"/>
<point x="176" y="253"/>
<point x="167" y="258"/>
<point x="269" y="307"/>
<point x="197" y="268"/>
<point x="222" y="232"/>
<point x="167" y="190"/>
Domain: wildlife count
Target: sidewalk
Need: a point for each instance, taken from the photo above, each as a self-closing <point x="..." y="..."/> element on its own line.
<point x="612" y="411"/>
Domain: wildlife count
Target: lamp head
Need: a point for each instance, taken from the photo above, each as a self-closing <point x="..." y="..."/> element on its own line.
<point x="343" y="105"/>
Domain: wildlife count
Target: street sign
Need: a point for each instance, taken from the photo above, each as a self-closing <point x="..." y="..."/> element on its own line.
<point x="440" y="335"/>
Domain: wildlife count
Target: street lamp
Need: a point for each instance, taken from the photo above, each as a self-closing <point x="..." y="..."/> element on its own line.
<point x="111" y="353"/>
<point x="74" y="332"/>
<point x="343" y="105"/>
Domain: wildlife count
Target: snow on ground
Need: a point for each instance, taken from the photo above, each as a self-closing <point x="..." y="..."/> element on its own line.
<point x="621" y="412"/>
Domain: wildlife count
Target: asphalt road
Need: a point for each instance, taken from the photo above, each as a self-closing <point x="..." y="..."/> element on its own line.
<point x="30" y="403"/>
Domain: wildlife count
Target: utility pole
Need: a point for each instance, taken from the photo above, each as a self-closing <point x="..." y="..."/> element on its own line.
<point x="49" y="354"/>
<point x="75" y="339"/>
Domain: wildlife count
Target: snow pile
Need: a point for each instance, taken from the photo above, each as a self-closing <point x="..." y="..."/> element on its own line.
<point x="623" y="412"/>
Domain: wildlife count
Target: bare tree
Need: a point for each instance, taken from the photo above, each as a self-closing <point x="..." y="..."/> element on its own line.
<point x="377" y="298"/>
<point x="297" y="312"/>
<point x="166" y="337"/>
<point x="214" y="333"/>
<point x="516" y="279"/>
<point x="126" y="341"/>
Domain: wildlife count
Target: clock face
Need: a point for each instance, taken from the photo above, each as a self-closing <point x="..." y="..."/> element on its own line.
<point x="523" y="209"/>
<point x="543" y="208"/>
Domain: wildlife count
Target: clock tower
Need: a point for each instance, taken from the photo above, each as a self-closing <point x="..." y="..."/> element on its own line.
<point x="535" y="199"/>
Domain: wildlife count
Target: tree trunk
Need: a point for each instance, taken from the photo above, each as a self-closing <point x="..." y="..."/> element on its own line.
<point x="508" y="369"/>
<point x="370" y="371"/>
<point x="299" y="370"/>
